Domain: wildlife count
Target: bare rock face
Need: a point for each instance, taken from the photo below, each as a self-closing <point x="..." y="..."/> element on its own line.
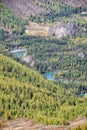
<point x="81" y="55"/>
<point x="28" y="59"/>
<point x="64" y="29"/>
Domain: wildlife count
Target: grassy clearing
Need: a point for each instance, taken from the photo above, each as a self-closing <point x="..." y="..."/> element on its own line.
<point x="35" y="29"/>
<point x="37" y="32"/>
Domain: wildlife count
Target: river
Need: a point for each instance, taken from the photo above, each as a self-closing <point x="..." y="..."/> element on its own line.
<point x="83" y="94"/>
<point x="49" y="75"/>
<point x="19" y="52"/>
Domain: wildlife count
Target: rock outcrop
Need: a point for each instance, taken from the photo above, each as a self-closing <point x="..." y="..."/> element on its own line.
<point x="29" y="60"/>
<point x="81" y="55"/>
<point x="64" y="29"/>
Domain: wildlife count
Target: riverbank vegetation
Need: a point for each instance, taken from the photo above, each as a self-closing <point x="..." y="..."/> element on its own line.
<point x="69" y="55"/>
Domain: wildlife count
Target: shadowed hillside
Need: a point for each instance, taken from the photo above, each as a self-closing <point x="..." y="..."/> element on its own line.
<point x="24" y="7"/>
<point x="71" y="2"/>
<point x="82" y="3"/>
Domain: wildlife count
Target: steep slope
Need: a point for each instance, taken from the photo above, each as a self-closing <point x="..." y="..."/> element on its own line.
<point x="54" y="12"/>
<point x="18" y="97"/>
<point x="58" y="9"/>
<point x="24" y="7"/>
<point x="46" y="9"/>
<point x="9" y="21"/>
<point x="25" y="93"/>
<point x="81" y="3"/>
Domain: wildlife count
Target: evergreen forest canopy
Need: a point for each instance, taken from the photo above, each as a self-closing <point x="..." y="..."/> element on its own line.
<point x="24" y="92"/>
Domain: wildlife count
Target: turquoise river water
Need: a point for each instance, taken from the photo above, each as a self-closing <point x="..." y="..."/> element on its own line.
<point x="49" y="75"/>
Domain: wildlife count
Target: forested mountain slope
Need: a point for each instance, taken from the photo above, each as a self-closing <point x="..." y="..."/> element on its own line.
<point x="82" y="3"/>
<point x="25" y="93"/>
<point x="44" y="8"/>
<point x="71" y="2"/>
<point x="24" y="8"/>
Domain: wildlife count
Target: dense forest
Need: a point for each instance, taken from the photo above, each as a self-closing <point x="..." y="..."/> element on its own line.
<point x="55" y="10"/>
<point x="24" y="91"/>
<point x="11" y="21"/>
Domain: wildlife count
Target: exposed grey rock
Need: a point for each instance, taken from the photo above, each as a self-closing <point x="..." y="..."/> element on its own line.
<point x="81" y="55"/>
<point x="28" y="59"/>
<point x="32" y="63"/>
<point x="64" y="29"/>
